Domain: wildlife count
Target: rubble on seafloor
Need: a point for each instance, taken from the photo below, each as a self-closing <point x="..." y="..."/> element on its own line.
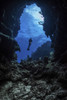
<point x="33" y="80"/>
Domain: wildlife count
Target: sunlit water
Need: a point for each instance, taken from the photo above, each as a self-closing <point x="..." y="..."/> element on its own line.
<point x="31" y="26"/>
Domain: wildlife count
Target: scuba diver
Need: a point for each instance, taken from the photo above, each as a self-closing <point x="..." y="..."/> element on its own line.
<point x="30" y="41"/>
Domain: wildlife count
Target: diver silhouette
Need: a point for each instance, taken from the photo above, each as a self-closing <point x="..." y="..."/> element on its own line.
<point x="30" y="41"/>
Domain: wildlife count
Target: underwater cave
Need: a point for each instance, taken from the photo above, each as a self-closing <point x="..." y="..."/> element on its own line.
<point x="33" y="50"/>
<point x="22" y="25"/>
<point x="31" y="27"/>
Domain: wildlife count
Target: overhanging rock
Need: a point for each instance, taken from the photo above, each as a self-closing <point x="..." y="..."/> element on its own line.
<point x="8" y="46"/>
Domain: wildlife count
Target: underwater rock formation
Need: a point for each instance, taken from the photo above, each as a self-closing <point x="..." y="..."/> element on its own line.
<point x="55" y="13"/>
<point x="33" y="80"/>
<point x="8" y="46"/>
<point x="43" y="51"/>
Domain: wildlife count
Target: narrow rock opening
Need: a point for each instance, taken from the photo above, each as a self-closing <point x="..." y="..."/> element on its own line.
<point x="31" y="34"/>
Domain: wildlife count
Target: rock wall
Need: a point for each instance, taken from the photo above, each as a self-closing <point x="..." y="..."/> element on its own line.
<point x="33" y="81"/>
<point x="43" y="51"/>
<point x="8" y="46"/>
<point x="55" y="13"/>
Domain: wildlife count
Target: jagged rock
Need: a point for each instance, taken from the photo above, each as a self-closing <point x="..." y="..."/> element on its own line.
<point x="33" y="80"/>
<point x="62" y="94"/>
<point x="63" y="58"/>
<point x="55" y="13"/>
<point x="20" y="83"/>
<point x="8" y="46"/>
<point x="46" y="60"/>
<point x="45" y="50"/>
<point x="50" y="97"/>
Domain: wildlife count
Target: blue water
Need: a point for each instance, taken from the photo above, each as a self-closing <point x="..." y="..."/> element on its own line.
<point x="30" y="28"/>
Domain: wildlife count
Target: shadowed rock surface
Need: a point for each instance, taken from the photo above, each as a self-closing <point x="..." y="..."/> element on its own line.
<point x="55" y="26"/>
<point x="43" y="51"/>
<point x="33" y="80"/>
<point x="8" y="46"/>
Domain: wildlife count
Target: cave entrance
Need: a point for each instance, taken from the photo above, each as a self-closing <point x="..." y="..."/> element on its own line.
<point x="31" y="27"/>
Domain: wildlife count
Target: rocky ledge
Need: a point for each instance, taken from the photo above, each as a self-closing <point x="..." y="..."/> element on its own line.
<point x="33" y="80"/>
<point x="8" y="46"/>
